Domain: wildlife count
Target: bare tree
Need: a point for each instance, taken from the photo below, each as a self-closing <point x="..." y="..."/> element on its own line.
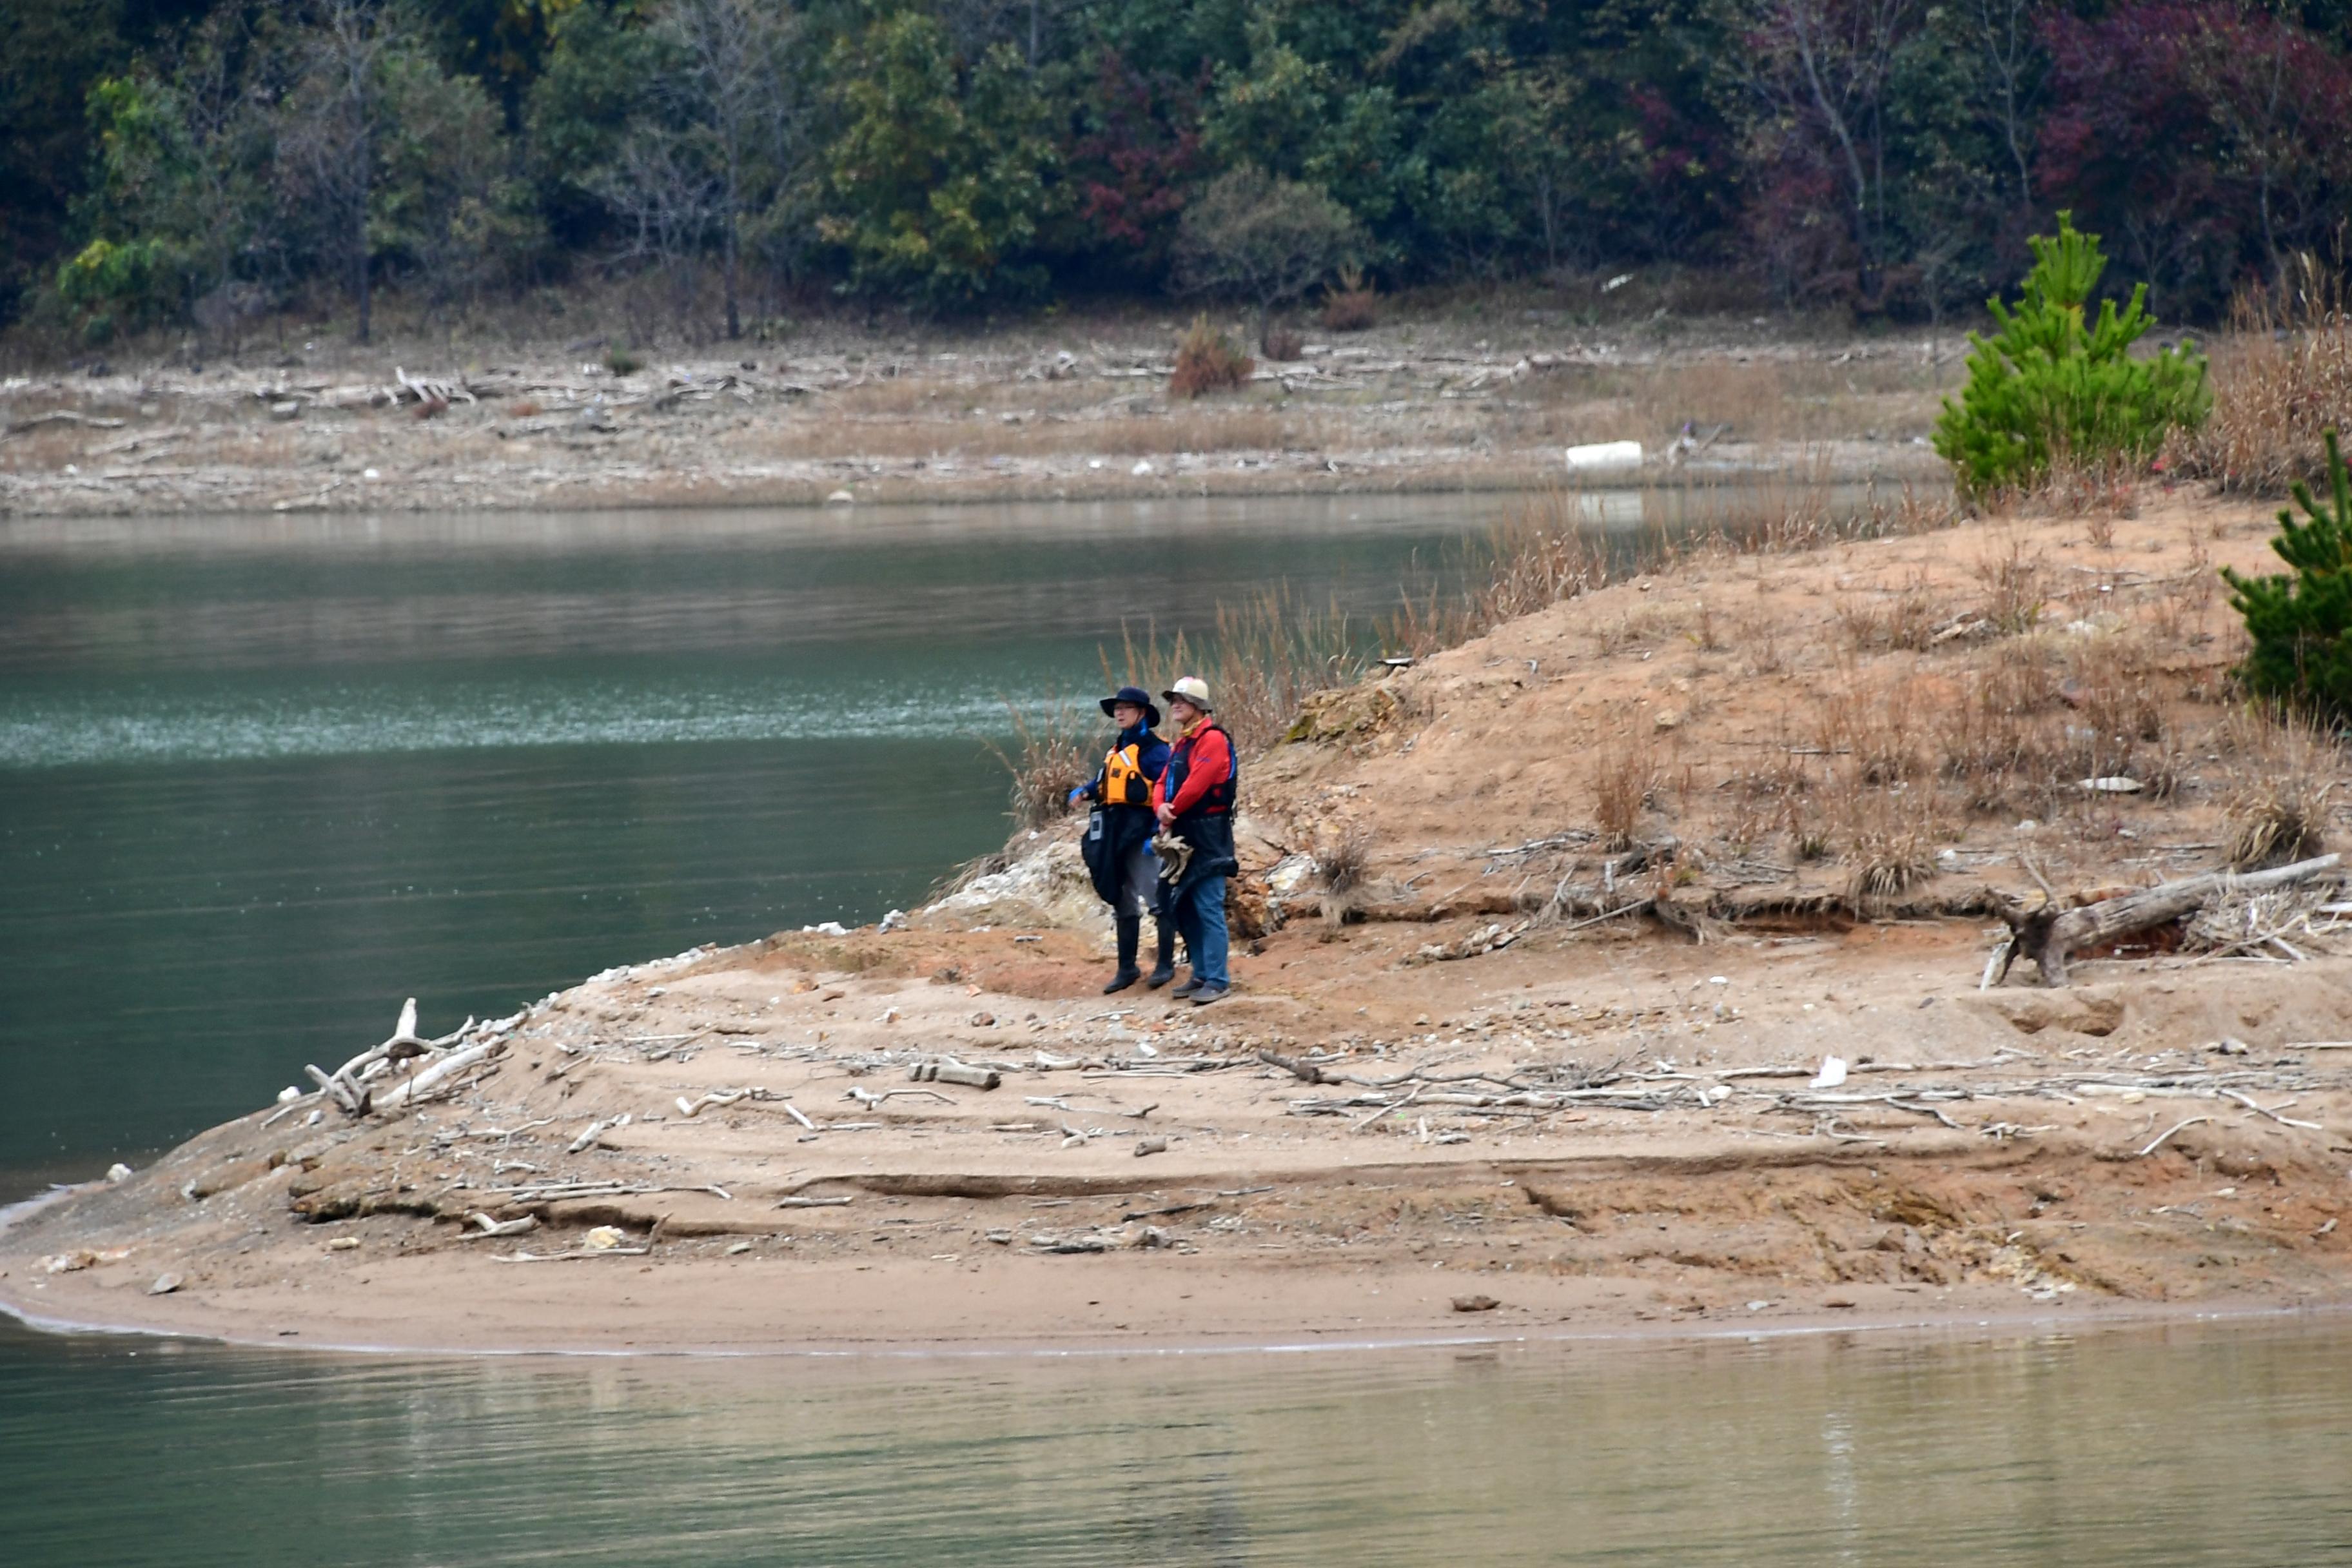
<point x="327" y="147"/>
<point x="735" y="88"/>
<point x="668" y="201"/>
<point x="2003" y="34"/>
<point x="1824" y="67"/>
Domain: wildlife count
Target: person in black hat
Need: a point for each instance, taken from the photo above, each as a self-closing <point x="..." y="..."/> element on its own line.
<point x="1118" y="845"/>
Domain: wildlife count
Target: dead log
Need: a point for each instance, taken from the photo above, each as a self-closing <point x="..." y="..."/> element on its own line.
<point x="2049" y="935"/>
<point x="431" y="1078"/>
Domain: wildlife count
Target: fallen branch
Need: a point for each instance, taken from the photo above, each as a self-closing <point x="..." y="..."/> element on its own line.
<point x="2050" y="934"/>
<point x="2169" y="1131"/>
<point x="430" y="1078"/>
<point x="2247" y="1100"/>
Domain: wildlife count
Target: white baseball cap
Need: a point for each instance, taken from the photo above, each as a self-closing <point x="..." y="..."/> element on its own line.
<point x="1192" y="690"/>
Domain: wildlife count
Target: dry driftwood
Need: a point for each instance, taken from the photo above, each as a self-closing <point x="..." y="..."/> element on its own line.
<point x="2050" y="934"/>
<point x="950" y="1070"/>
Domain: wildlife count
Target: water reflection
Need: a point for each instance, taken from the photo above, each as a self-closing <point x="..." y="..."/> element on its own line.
<point x="2184" y="1446"/>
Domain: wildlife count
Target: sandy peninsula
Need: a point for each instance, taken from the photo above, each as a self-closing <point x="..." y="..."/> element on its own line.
<point x="1557" y="1064"/>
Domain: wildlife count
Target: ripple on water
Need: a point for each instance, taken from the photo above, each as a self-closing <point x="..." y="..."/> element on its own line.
<point x="351" y="722"/>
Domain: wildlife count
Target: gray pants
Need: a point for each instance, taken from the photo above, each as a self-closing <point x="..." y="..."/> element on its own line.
<point x="1139" y="876"/>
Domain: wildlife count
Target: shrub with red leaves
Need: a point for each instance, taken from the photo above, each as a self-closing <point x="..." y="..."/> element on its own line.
<point x="2203" y="139"/>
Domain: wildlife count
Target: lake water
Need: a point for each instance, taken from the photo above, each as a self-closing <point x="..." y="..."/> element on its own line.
<point x="260" y="779"/>
<point x="2179" y="1447"/>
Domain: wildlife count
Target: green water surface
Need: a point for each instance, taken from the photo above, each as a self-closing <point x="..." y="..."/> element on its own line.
<point x="261" y="779"/>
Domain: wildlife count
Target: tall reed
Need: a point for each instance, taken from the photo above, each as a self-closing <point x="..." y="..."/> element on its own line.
<point x="2283" y="376"/>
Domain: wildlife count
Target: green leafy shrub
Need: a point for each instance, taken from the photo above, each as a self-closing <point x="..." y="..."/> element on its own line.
<point x="2301" y="626"/>
<point x="620" y="361"/>
<point x="137" y="281"/>
<point x="2049" y="388"/>
<point x="1207" y="361"/>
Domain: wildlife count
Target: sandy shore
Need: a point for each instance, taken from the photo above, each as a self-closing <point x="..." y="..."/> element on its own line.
<point x="1004" y="418"/>
<point x="1527" y="1085"/>
<point x="1025" y="1216"/>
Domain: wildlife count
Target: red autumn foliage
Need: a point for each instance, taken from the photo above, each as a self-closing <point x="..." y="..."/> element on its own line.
<point x="2201" y="140"/>
<point x="1135" y="162"/>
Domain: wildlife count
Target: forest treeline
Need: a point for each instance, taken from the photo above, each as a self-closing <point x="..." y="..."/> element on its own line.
<point x="204" y="161"/>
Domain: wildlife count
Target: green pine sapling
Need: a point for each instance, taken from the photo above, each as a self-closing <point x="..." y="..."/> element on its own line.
<point x="2301" y="626"/>
<point x="2048" y="387"/>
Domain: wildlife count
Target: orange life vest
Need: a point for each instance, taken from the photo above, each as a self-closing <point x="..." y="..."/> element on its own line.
<point x="1123" y="780"/>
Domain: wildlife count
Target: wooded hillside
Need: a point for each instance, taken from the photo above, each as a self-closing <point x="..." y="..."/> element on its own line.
<point x="187" y="162"/>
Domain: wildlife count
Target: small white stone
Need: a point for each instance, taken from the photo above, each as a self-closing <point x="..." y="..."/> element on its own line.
<point x="370" y="474"/>
<point x="288" y="1095"/>
<point x="117" y="1172"/>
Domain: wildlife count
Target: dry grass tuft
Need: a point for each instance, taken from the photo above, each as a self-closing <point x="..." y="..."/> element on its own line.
<point x="1876" y="730"/>
<point x="1342" y="854"/>
<point x="1283" y="344"/>
<point x="1048" y="758"/>
<point x="1540" y="555"/>
<point x="1891" y="844"/>
<point x="2016" y="588"/>
<point x="1206" y="361"/>
<point x="1905" y="617"/>
<point x="1264" y="659"/>
<point x="2283" y="376"/>
<point x="2281" y="781"/>
<point x="1626" y="779"/>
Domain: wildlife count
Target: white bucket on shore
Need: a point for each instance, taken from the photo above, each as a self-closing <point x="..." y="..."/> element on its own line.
<point x="1605" y="455"/>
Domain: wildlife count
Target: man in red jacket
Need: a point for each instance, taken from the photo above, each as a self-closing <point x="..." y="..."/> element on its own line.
<point x="1193" y="800"/>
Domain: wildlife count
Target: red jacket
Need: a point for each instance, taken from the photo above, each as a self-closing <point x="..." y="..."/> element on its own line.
<point x="1202" y="761"/>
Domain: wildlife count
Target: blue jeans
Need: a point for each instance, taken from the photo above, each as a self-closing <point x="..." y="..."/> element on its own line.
<point x="1200" y="911"/>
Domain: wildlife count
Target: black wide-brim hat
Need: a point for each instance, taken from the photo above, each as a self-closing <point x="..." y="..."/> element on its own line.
<point x="1137" y="696"/>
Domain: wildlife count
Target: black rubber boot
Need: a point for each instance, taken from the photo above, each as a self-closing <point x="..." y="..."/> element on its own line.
<point x="1130" y="935"/>
<point x="1165" y="970"/>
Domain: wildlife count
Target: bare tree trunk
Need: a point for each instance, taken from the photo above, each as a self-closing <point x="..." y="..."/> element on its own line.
<point x="734" y="315"/>
<point x="361" y="167"/>
<point x="2005" y="51"/>
<point x="1804" y="28"/>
